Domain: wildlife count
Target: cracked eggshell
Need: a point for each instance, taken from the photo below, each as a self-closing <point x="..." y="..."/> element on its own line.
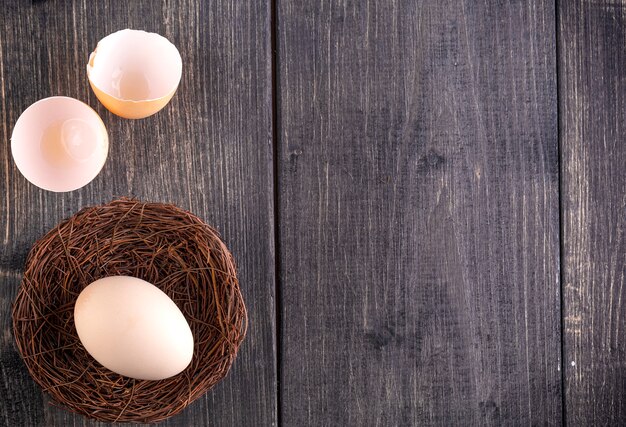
<point x="59" y="144"/>
<point x="134" y="73"/>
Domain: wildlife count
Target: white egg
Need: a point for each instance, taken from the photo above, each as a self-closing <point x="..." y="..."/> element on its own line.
<point x="133" y="328"/>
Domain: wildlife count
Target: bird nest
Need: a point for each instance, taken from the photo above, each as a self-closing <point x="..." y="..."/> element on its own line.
<point x="160" y="243"/>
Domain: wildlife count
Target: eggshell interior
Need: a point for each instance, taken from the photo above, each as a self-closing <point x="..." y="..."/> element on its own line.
<point x="133" y="328"/>
<point x="59" y="144"/>
<point x="131" y="67"/>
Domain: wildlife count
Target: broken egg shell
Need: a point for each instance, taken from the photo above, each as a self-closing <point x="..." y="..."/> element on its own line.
<point x="59" y="144"/>
<point x="134" y="73"/>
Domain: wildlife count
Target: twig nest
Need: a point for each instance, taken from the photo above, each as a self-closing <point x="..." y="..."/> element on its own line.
<point x="159" y="243"/>
<point x="134" y="73"/>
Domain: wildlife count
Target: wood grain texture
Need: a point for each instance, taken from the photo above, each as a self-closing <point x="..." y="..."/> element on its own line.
<point x="419" y="225"/>
<point x="209" y="151"/>
<point x="592" y="94"/>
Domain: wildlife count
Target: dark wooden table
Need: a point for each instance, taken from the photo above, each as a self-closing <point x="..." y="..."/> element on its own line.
<point x="426" y="199"/>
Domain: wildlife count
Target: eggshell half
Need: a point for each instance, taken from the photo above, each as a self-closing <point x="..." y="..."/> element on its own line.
<point x="59" y="144"/>
<point x="133" y="328"/>
<point x="134" y="73"/>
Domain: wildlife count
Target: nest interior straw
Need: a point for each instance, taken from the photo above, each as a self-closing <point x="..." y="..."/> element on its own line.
<point x="160" y="243"/>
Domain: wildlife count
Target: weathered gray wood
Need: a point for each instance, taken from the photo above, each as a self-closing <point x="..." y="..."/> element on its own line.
<point x="209" y="151"/>
<point x="419" y="231"/>
<point x="592" y="88"/>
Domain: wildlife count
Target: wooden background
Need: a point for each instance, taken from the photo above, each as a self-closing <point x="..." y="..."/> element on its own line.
<point x="426" y="199"/>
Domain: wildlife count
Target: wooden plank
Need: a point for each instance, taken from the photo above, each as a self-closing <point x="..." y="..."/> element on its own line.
<point x="209" y="151"/>
<point x="419" y="231"/>
<point x="592" y="94"/>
